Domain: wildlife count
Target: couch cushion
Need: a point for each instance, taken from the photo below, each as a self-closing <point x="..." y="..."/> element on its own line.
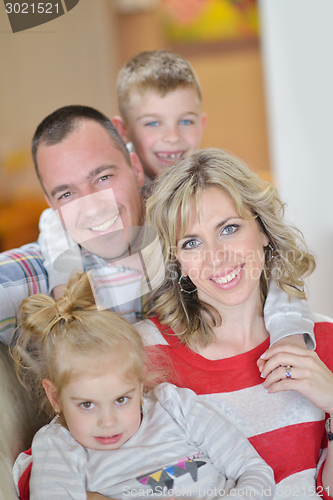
<point x="18" y="423"/>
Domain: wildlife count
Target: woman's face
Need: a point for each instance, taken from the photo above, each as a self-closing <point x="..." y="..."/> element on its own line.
<point x="221" y="252"/>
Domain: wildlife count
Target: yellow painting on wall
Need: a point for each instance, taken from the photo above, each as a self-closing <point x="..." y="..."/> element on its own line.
<point x="210" y="20"/>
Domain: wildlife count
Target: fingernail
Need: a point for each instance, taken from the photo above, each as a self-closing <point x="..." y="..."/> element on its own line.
<point x="263" y="355"/>
<point x="261" y="375"/>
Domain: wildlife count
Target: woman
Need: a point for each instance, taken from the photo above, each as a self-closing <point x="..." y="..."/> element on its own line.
<point x="223" y="241"/>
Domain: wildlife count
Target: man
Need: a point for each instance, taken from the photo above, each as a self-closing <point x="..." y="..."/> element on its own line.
<point x="78" y="155"/>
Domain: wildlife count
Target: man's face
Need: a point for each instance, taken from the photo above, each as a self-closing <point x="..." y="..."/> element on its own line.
<point x="96" y="192"/>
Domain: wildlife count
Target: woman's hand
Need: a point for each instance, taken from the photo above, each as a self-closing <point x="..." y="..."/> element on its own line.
<point x="309" y="375"/>
<point x="296" y="339"/>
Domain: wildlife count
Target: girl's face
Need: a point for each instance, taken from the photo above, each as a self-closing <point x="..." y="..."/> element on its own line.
<point x="101" y="412"/>
<point x="221" y="252"/>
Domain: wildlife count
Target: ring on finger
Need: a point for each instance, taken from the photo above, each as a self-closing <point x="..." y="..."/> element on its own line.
<point x="288" y="371"/>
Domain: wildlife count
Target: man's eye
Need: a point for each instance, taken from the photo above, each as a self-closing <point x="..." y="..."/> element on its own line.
<point x="104" y="178"/>
<point x="190" y="244"/>
<point x="64" y="196"/>
<point x="87" y="405"/>
<point x="122" y="400"/>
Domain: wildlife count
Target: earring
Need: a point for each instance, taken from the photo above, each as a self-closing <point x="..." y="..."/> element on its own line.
<point x="270" y="252"/>
<point x="142" y="402"/>
<point x="57" y="414"/>
<point x="181" y="287"/>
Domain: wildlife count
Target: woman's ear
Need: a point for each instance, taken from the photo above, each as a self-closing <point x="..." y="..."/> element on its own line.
<point x="265" y="239"/>
<point x="52" y="394"/>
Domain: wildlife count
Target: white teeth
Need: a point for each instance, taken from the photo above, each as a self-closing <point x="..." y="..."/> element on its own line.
<point x="228" y="277"/>
<point x="171" y="156"/>
<point x="106" y="225"/>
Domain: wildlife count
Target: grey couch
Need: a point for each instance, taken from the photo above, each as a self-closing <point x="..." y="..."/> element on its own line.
<point x="18" y="423"/>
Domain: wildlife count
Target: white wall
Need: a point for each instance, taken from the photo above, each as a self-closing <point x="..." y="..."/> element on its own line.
<point x="298" y="54"/>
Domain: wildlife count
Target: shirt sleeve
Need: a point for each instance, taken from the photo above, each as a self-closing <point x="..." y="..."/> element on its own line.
<point x="284" y="317"/>
<point x="21" y="274"/>
<point x="61" y="254"/>
<point x="59" y="465"/>
<point x="218" y="439"/>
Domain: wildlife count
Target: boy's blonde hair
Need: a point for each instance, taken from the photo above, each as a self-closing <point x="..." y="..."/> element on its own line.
<point x="159" y="70"/>
<point x="287" y="259"/>
<point x="54" y="335"/>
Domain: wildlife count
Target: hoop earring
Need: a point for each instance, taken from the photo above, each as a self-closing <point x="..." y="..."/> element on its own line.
<point x="265" y="276"/>
<point x="181" y="287"/>
<point x="270" y="253"/>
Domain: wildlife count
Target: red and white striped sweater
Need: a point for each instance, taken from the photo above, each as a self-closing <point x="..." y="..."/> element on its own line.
<point x="285" y="428"/>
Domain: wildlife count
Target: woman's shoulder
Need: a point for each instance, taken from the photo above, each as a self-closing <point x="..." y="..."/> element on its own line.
<point x="150" y="332"/>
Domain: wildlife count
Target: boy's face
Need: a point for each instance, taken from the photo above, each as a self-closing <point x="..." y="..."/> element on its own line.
<point x="162" y="129"/>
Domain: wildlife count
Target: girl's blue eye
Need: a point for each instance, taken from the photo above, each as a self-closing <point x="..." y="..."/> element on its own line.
<point x="231" y="229"/>
<point x="123" y="400"/>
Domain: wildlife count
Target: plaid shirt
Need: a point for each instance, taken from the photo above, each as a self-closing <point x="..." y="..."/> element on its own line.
<point x="22" y="274"/>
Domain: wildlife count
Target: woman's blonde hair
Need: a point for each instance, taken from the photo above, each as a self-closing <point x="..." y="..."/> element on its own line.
<point x="286" y="257"/>
<point x="53" y="334"/>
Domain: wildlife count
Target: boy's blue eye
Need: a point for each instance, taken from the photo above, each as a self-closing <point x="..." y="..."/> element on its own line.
<point x="152" y="124"/>
<point x="186" y="122"/>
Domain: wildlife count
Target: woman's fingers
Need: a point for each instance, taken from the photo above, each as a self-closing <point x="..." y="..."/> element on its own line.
<point x="306" y="374"/>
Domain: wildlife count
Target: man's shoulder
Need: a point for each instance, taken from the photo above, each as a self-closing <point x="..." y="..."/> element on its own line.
<point x="24" y="262"/>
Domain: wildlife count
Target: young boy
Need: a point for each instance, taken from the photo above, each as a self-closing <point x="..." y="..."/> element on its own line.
<point x="159" y="99"/>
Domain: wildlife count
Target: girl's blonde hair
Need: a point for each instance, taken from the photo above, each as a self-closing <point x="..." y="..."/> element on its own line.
<point x="286" y="257"/>
<point x="50" y="332"/>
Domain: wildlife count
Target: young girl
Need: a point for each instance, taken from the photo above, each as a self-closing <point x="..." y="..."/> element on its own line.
<point x="108" y="435"/>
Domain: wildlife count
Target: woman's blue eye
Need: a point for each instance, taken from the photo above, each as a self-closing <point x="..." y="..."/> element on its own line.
<point x="190" y="244"/>
<point x="231" y="229"/>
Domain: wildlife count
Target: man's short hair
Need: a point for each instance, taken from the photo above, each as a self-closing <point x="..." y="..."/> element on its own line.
<point x="61" y="123"/>
<point x="159" y="70"/>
